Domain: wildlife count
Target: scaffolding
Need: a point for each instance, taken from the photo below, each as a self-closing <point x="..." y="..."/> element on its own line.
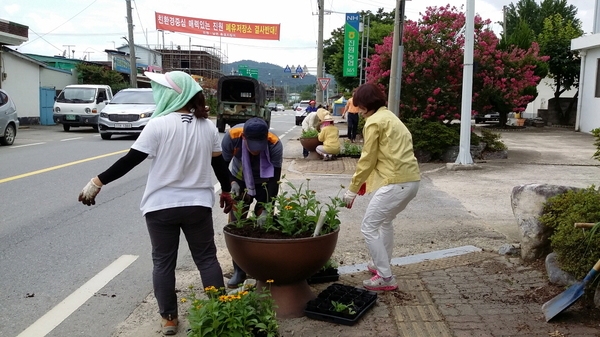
<point x="204" y="61"/>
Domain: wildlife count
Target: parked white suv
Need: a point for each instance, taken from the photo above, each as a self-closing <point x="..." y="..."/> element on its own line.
<point x="79" y="105"/>
<point x="127" y="113"/>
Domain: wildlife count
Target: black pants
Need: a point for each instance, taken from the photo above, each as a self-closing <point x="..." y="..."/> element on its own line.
<point x="352" y="125"/>
<point x="197" y="226"/>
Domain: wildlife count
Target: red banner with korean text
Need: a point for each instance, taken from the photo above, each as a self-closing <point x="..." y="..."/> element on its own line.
<point x="242" y="30"/>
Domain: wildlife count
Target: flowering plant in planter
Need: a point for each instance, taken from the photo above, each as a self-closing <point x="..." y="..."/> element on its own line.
<point x="245" y="313"/>
<point x="294" y="214"/>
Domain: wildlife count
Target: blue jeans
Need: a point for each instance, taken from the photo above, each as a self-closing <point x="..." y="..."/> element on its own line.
<point x="164" y="227"/>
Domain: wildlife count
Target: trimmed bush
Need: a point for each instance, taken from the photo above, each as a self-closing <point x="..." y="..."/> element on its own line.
<point x="577" y="250"/>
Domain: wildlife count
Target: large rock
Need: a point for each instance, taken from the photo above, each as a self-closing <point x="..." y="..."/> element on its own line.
<point x="555" y="274"/>
<point x="527" y="203"/>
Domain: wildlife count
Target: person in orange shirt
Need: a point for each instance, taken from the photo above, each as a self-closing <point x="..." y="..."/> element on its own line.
<point x="352" y="111"/>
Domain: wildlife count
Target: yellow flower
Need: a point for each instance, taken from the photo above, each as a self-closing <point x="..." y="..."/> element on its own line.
<point x="210" y="289"/>
<point x="288" y="207"/>
<point x="183" y="300"/>
<point x="270" y="281"/>
<point x="223" y="298"/>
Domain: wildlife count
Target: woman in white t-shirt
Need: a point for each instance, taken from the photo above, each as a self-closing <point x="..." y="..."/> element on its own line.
<point x="183" y="145"/>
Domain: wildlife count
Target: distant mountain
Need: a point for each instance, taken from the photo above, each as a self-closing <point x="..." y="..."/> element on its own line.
<point x="272" y="74"/>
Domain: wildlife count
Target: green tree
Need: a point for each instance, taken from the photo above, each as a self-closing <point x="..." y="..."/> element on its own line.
<point x="381" y="25"/>
<point x="534" y="14"/>
<point x="564" y="63"/>
<point x="93" y="74"/>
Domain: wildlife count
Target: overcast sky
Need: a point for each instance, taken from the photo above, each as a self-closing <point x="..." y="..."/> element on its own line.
<point x="88" y="27"/>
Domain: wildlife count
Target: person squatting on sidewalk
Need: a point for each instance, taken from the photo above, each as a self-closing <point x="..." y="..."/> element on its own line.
<point x="312" y="121"/>
<point x="330" y="137"/>
<point x="351" y="111"/>
<point x="257" y="157"/>
<point x="183" y="144"/>
<point x="388" y="167"/>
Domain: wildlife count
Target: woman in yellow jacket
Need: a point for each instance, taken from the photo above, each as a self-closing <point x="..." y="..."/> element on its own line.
<point x="387" y="166"/>
<point x="330" y="136"/>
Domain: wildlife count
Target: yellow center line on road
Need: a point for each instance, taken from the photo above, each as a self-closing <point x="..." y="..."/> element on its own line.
<point x="25" y="175"/>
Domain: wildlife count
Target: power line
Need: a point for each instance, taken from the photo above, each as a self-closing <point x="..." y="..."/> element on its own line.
<point x="62" y="24"/>
<point x="141" y="25"/>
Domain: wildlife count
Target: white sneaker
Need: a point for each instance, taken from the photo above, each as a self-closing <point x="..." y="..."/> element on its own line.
<point x="377" y="283"/>
<point x="371" y="267"/>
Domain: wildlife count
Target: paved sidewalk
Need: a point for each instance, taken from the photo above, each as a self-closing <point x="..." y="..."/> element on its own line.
<point x="475" y="294"/>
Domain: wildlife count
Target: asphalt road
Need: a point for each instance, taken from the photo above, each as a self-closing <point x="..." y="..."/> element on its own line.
<point x="68" y="269"/>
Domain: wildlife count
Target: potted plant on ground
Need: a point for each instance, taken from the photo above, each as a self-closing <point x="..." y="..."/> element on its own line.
<point x="309" y="140"/>
<point x="327" y="273"/>
<point x="244" y="313"/>
<point x="289" y="247"/>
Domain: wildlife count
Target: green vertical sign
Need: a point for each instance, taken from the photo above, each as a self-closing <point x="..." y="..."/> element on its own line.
<point x="351" y="45"/>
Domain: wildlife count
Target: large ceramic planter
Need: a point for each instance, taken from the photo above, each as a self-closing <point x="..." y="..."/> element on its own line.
<point x="288" y="262"/>
<point x="311" y="144"/>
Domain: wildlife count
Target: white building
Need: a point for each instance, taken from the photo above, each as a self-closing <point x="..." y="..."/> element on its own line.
<point x="588" y="101"/>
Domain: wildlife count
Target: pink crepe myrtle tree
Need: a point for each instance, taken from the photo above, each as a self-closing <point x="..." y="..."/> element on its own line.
<point x="433" y="68"/>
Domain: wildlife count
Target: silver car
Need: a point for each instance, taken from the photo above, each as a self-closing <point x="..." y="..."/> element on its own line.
<point x="127" y="113"/>
<point x="9" y="123"/>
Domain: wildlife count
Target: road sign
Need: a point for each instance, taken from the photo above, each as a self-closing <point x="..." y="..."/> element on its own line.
<point x="287" y="69"/>
<point x="302" y="75"/>
<point x="324" y="81"/>
<point x="299" y="69"/>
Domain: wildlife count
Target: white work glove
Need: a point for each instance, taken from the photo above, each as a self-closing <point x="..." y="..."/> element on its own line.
<point x="87" y="196"/>
<point x="235" y="189"/>
<point x="349" y="197"/>
<point x="262" y="219"/>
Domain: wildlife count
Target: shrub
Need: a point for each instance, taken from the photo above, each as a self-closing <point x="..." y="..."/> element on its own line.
<point x="312" y="133"/>
<point x="350" y="149"/>
<point x="432" y="137"/>
<point x="577" y="250"/>
<point x="492" y="141"/>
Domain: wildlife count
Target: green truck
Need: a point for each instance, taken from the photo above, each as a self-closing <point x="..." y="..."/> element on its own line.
<point x="240" y="98"/>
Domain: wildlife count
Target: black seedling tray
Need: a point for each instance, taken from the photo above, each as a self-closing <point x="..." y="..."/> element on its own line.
<point x="324" y="276"/>
<point x="322" y="309"/>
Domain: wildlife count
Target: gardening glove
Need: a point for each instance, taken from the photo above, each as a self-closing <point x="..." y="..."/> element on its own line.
<point x="349" y="197"/>
<point x="226" y="202"/>
<point x="235" y="189"/>
<point x="87" y="196"/>
<point x="362" y="189"/>
<point x="262" y="219"/>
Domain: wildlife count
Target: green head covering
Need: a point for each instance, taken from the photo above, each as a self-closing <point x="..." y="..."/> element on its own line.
<point x="172" y="91"/>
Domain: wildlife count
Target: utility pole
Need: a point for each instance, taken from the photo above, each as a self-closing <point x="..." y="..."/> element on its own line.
<point x="361" y="30"/>
<point x="504" y="9"/>
<point x="320" y="63"/>
<point x="132" y="59"/>
<point x="397" y="54"/>
<point x="368" y="32"/>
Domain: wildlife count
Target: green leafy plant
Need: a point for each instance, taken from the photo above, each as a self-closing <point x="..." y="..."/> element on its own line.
<point x="577" y="250"/>
<point x="341" y="307"/>
<point x="295" y="212"/>
<point x="330" y="264"/>
<point x="432" y="137"/>
<point x="244" y="313"/>
<point x="596" y="133"/>
<point x="312" y="133"/>
<point x="492" y="141"/>
<point x="351" y="149"/>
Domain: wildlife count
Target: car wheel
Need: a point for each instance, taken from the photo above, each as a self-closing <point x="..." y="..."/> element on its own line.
<point x="8" y="137"/>
<point x="106" y="136"/>
<point x="478" y="121"/>
<point x="221" y="126"/>
<point x="66" y="127"/>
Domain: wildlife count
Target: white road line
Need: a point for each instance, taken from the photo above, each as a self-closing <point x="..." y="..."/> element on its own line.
<point x="68" y="139"/>
<point x="17" y="146"/>
<point x="64" y="309"/>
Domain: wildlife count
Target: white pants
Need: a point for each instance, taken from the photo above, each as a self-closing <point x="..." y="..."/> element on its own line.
<point x="321" y="150"/>
<point x="377" y="226"/>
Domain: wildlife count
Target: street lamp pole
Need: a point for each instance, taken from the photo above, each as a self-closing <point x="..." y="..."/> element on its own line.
<point x="397" y="54"/>
<point x="319" y="94"/>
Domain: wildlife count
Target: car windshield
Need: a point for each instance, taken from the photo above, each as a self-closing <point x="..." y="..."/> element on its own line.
<point x="133" y="97"/>
<point x="77" y="95"/>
